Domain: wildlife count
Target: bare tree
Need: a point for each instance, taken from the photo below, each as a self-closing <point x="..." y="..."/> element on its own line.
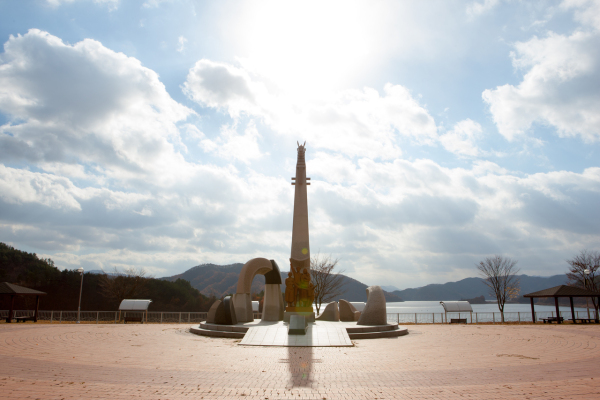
<point x="585" y="261"/>
<point x="328" y="284"/>
<point x="499" y="274"/>
<point x="129" y="284"/>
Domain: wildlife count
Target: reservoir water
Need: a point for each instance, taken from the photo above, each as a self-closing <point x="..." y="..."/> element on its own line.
<point x="436" y="307"/>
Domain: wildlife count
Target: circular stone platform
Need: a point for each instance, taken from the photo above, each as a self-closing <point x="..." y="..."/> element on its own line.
<point x="319" y="334"/>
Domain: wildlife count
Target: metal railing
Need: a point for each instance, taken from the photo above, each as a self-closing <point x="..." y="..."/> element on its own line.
<point x="481" y="317"/>
<point x="160" y="317"/>
<point x="111" y="316"/>
<point x="167" y="317"/>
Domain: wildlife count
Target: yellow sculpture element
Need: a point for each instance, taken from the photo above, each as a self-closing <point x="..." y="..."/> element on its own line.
<point x="290" y="290"/>
<point x="299" y="290"/>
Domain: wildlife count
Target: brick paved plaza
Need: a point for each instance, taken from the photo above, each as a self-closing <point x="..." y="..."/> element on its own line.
<point x="52" y="361"/>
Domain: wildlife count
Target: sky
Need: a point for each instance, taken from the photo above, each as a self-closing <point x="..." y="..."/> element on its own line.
<point x="162" y="133"/>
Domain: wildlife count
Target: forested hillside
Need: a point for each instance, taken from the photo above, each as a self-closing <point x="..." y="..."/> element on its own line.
<point x="27" y="269"/>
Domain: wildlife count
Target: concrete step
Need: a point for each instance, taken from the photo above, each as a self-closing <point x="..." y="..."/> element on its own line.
<point x="379" y="335"/>
<point x="372" y="328"/>
<point x="215" y="333"/>
<point x="223" y="328"/>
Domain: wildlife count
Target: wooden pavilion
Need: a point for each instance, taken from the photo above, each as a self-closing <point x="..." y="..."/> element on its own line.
<point x="9" y="289"/>
<point x="563" y="291"/>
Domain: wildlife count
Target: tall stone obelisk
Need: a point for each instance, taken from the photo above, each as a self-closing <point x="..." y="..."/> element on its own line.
<point x="299" y="293"/>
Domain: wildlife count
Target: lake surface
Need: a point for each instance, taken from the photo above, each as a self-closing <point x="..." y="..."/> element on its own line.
<point x="436" y="307"/>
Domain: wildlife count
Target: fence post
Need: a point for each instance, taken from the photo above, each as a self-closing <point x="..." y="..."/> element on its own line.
<point x="519" y="316"/>
<point x="494" y="317"/>
<point x="97" y="316"/>
<point x="161" y="317"/>
<point x="115" y="317"/>
<point x="476" y="318"/>
<point x="189" y="318"/>
<point x="433" y="317"/>
<point x="471" y="316"/>
<point x="398" y="317"/>
<point x="51" y="316"/>
<point x="179" y="317"/>
<point x="60" y="321"/>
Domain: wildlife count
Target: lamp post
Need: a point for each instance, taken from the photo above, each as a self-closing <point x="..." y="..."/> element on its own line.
<point x="80" y="270"/>
<point x="586" y="272"/>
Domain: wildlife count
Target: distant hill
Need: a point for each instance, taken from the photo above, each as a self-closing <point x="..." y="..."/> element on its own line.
<point x="470" y="288"/>
<point x="220" y="280"/>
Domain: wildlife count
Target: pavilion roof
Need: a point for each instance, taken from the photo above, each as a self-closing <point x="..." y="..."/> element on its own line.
<point x="563" y="291"/>
<point x="10" y="288"/>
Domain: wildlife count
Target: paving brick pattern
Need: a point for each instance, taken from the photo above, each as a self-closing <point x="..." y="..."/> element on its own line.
<point x="47" y="361"/>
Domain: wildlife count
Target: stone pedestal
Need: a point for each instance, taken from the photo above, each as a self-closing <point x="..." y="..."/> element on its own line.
<point x="310" y="316"/>
<point x="298" y="325"/>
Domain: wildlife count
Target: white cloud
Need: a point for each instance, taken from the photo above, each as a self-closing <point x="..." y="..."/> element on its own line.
<point x="182" y="41"/>
<point x="85" y="104"/>
<point x="461" y="139"/>
<point x="233" y="146"/>
<point x="476" y="8"/>
<point x="354" y="122"/>
<point x="21" y="186"/>
<point x="586" y="11"/>
<point x="560" y="86"/>
<point x="112" y="4"/>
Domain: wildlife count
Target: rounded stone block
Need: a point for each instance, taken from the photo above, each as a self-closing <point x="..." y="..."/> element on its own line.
<point x="222" y="312"/>
<point x="330" y="313"/>
<point x="348" y="313"/>
<point x="212" y="312"/>
<point x="375" y="310"/>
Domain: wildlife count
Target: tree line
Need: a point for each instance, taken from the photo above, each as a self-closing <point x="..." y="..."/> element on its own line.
<point x="101" y="292"/>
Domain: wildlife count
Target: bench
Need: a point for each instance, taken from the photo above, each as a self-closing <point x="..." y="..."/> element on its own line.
<point x="23" y="319"/>
<point x="585" y="320"/>
<point x="550" y="320"/>
<point x="458" y="320"/>
<point x="133" y="319"/>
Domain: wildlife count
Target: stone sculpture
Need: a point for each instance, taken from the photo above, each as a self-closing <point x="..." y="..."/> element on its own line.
<point x="222" y="312"/>
<point x="212" y="312"/>
<point x="330" y="313"/>
<point x="375" y="310"/>
<point x="348" y="312"/>
<point x="299" y="292"/>
<point x="273" y="306"/>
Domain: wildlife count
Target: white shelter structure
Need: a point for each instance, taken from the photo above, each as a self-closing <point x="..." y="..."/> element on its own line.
<point x="135" y="307"/>
<point x="457" y="307"/>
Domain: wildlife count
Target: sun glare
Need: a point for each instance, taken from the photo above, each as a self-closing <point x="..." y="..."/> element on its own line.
<point x="306" y="48"/>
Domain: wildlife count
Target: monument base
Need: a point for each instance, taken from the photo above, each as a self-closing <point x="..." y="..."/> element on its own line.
<point x="309" y="316"/>
<point x="299" y="309"/>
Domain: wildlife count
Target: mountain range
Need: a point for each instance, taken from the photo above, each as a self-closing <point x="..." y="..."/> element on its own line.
<point x="469" y="288"/>
<point x="221" y="280"/>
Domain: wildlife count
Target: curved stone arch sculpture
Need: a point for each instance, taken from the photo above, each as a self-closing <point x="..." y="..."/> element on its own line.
<point x="257" y="266"/>
<point x="273" y="301"/>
